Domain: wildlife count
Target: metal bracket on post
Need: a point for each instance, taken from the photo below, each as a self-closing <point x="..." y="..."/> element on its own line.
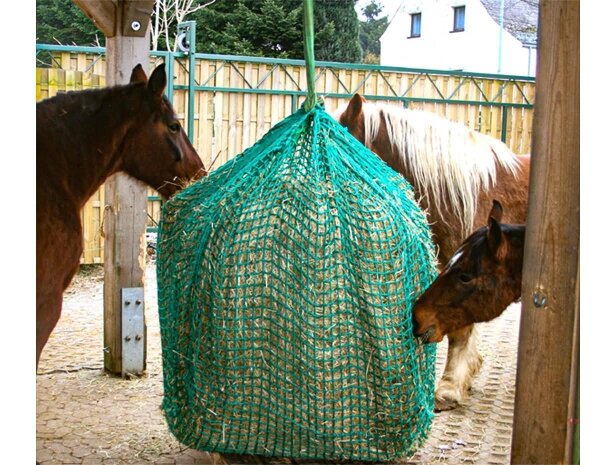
<point x="186" y="37"/>
<point x="132" y="331"/>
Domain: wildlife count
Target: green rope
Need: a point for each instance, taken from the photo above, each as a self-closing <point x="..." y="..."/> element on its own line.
<point x="309" y="55"/>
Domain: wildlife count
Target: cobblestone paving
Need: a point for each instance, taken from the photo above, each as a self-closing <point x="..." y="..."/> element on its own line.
<point x="87" y="417"/>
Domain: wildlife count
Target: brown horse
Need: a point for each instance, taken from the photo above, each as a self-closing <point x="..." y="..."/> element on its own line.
<point x="83" y="138"/>
<point x="478" y="283"/>
<point x="454" y="171"/>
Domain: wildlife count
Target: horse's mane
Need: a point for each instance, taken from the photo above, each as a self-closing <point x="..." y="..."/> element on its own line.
<point x="86" y="101"/>
<point x="72" y="98"/>
<point x="450" y="162"/>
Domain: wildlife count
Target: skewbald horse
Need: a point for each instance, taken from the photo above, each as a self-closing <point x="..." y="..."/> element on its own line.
<point x="456" y="173"/>
<point x="83" y="137"/>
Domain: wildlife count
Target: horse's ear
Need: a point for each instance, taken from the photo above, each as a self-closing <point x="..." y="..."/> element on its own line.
<point x="496" y="211"/>
<point x="354" y="106"/>
<point x="496" y="242"/>
<point x="493" y="235"/>
<point x="138" y="75"/>
<point x="158" y="80"/>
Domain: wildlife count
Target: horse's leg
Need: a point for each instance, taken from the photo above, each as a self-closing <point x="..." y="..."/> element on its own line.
<point x="462" y="364"/>
<point x="59" y="244"/>
<point x="48" y="313"/>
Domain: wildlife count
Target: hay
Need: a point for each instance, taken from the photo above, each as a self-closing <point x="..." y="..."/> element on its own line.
<point x="286" y="280"/>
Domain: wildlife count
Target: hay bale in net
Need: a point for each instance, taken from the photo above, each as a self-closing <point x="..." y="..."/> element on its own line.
<point x="286" y="284"/>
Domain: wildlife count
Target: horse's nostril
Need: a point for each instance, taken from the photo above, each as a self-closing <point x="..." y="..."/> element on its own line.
<point x="417" y="325"/>
<point x="426" y="334"/>
<point x="416" y="331"/>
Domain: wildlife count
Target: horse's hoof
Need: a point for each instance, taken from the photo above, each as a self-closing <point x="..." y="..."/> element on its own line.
<point x="442" y="405"/>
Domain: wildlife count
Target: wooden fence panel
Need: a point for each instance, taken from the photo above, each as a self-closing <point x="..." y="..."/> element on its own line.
<point x="50" y="82"/>
<point x="92" y="218"/>
<point x="237" y="102"/>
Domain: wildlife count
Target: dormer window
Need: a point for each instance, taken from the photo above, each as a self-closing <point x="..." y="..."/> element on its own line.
<point x="459" y="19"/>
<point x="415" y="25"/>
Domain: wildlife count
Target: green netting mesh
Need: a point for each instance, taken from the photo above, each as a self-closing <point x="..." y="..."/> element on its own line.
<point x="286" y="283"/>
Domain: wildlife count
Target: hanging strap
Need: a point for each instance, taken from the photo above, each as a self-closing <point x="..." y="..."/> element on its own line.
<point x="309" y="55"/>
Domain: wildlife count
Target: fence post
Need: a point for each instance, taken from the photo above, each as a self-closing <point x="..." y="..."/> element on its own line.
<point x="170" y="69"/>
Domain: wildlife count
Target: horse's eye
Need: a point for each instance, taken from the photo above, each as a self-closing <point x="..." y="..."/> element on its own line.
<point x="465" y="277"/>
<point x="174" y="127"/>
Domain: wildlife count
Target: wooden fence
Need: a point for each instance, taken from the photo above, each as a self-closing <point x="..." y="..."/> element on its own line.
<point x="227" y="121"/>
<point x="236" y="100"/>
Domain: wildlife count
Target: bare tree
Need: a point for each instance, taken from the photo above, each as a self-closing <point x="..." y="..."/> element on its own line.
<point x="167" y="12"/>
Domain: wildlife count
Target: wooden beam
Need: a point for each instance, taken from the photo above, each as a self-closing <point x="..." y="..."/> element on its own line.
<point x="136" y="17"/>
<point x="102" y="13"/>
<point x="548" y="351"/>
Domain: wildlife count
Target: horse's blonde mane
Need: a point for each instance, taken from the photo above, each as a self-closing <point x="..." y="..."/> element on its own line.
<point x="450" y="162"/>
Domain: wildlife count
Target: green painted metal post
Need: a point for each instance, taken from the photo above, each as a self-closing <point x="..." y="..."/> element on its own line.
<point x="192" y="83"/>
<point x="190" y="28"/>
<point x="170" y="61"/>
<point x="504" y="123"/>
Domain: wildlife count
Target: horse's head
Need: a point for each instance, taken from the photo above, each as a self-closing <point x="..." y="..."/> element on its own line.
<point x="157" y="150"/>
<point x="478" y="283"/>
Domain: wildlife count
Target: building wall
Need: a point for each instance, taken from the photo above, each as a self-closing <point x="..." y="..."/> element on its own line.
<point x="474" y="50"/>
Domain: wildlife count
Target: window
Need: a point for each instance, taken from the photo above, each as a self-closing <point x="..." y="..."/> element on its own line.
<point x="459" y="19"/>
<point x="415" y="25"/>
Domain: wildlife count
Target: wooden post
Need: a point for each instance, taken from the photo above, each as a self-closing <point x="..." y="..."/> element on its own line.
<point x="125" y="214"/>
<point x="548" y="355"/>
<point x="125" y="24"/>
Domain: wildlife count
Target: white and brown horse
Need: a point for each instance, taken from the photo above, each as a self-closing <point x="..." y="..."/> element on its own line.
<point x="456" y="173"/>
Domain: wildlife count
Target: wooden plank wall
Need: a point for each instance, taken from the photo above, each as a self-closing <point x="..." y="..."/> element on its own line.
<point x="226" y="123"/>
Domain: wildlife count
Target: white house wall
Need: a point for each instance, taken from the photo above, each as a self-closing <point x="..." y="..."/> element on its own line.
<point x="475" y="49"/>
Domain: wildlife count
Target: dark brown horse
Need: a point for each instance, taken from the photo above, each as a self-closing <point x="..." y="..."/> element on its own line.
<point x="478" y="283"/>
<point x="83" y="138"/>
<point x="456" y="173"/>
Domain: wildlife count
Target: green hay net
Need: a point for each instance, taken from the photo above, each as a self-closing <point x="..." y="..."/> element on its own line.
<point x="286" y="284"/>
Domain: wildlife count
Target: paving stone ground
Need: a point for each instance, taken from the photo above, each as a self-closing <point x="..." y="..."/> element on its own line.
<point x="88" y="417"/>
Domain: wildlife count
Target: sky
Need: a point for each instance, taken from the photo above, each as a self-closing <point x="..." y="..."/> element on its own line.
<point x="389" y="7"/>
